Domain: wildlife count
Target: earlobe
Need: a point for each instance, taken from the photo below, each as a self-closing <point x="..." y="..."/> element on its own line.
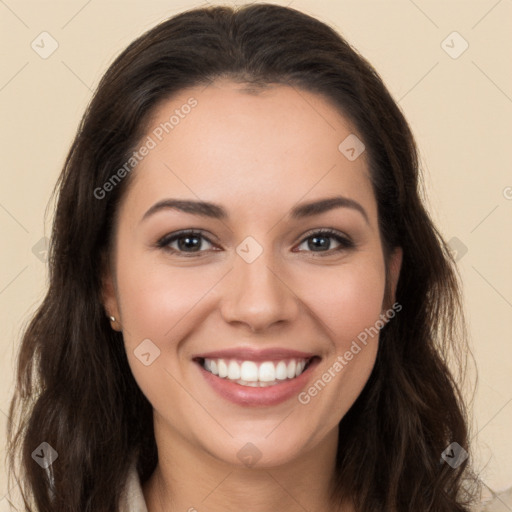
<point x="109" y="299"/>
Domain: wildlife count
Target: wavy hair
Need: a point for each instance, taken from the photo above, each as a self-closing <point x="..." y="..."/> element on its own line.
<point x="74" y="388"/>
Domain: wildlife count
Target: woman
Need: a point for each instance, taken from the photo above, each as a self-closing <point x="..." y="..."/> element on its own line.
<point x="194" y="352"/>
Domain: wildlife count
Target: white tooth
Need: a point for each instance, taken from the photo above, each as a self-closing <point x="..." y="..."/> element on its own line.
<point x="267" y="372"/>
<point x="281" y="371"/>
<point x="249" y="371"/>
<point x="292" y="365"/>
<point x="233" y="370"/>
<point x="223" y="368"/>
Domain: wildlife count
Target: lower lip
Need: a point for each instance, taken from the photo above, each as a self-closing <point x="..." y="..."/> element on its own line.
<point x="252" y="396"/>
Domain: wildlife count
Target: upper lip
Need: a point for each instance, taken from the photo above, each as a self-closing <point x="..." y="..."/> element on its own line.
<point x="251" y="354"/>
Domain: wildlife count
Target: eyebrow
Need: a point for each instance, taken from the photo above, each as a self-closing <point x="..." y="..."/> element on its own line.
<point x="215" y="211"/>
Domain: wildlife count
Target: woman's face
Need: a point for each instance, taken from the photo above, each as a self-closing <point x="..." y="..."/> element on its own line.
<point x="259" y="289"/>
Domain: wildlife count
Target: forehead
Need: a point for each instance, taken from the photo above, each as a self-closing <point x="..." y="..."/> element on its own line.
<point x="268" y="148"/>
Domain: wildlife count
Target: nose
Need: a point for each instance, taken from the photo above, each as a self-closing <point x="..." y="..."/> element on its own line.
<point x="257" y="296"/>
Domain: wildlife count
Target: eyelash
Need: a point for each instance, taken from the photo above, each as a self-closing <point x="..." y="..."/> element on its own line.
<point x="345" y="243"/>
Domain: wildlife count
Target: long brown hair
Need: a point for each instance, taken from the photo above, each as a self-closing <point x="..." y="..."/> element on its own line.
<point x="75" y="390"/>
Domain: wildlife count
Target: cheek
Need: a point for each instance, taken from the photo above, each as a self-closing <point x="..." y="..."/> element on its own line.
<point x="348" y="299"/>
<point x="156" y="298"/>
<point x="348" y="302"/>
<point x="159" y="303"/>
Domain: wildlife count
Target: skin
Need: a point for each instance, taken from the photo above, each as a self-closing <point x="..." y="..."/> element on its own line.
<point x="257" y="155"/>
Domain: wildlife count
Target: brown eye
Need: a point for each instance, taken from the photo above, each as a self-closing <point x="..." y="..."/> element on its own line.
<point x="322" y="241"/>
<point x="185" y="242"/>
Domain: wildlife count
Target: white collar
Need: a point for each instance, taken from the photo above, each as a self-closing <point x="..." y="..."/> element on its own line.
<point x="132" y="498"/>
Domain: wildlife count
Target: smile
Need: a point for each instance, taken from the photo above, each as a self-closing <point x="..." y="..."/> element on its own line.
<point x="257" y="378"/>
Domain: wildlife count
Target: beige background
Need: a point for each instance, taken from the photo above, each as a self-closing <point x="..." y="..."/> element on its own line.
<point x="460" y="110"/>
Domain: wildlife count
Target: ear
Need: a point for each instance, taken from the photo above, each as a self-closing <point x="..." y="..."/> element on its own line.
<point x="393" y="274"/>
<point x="109" y="295"/>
